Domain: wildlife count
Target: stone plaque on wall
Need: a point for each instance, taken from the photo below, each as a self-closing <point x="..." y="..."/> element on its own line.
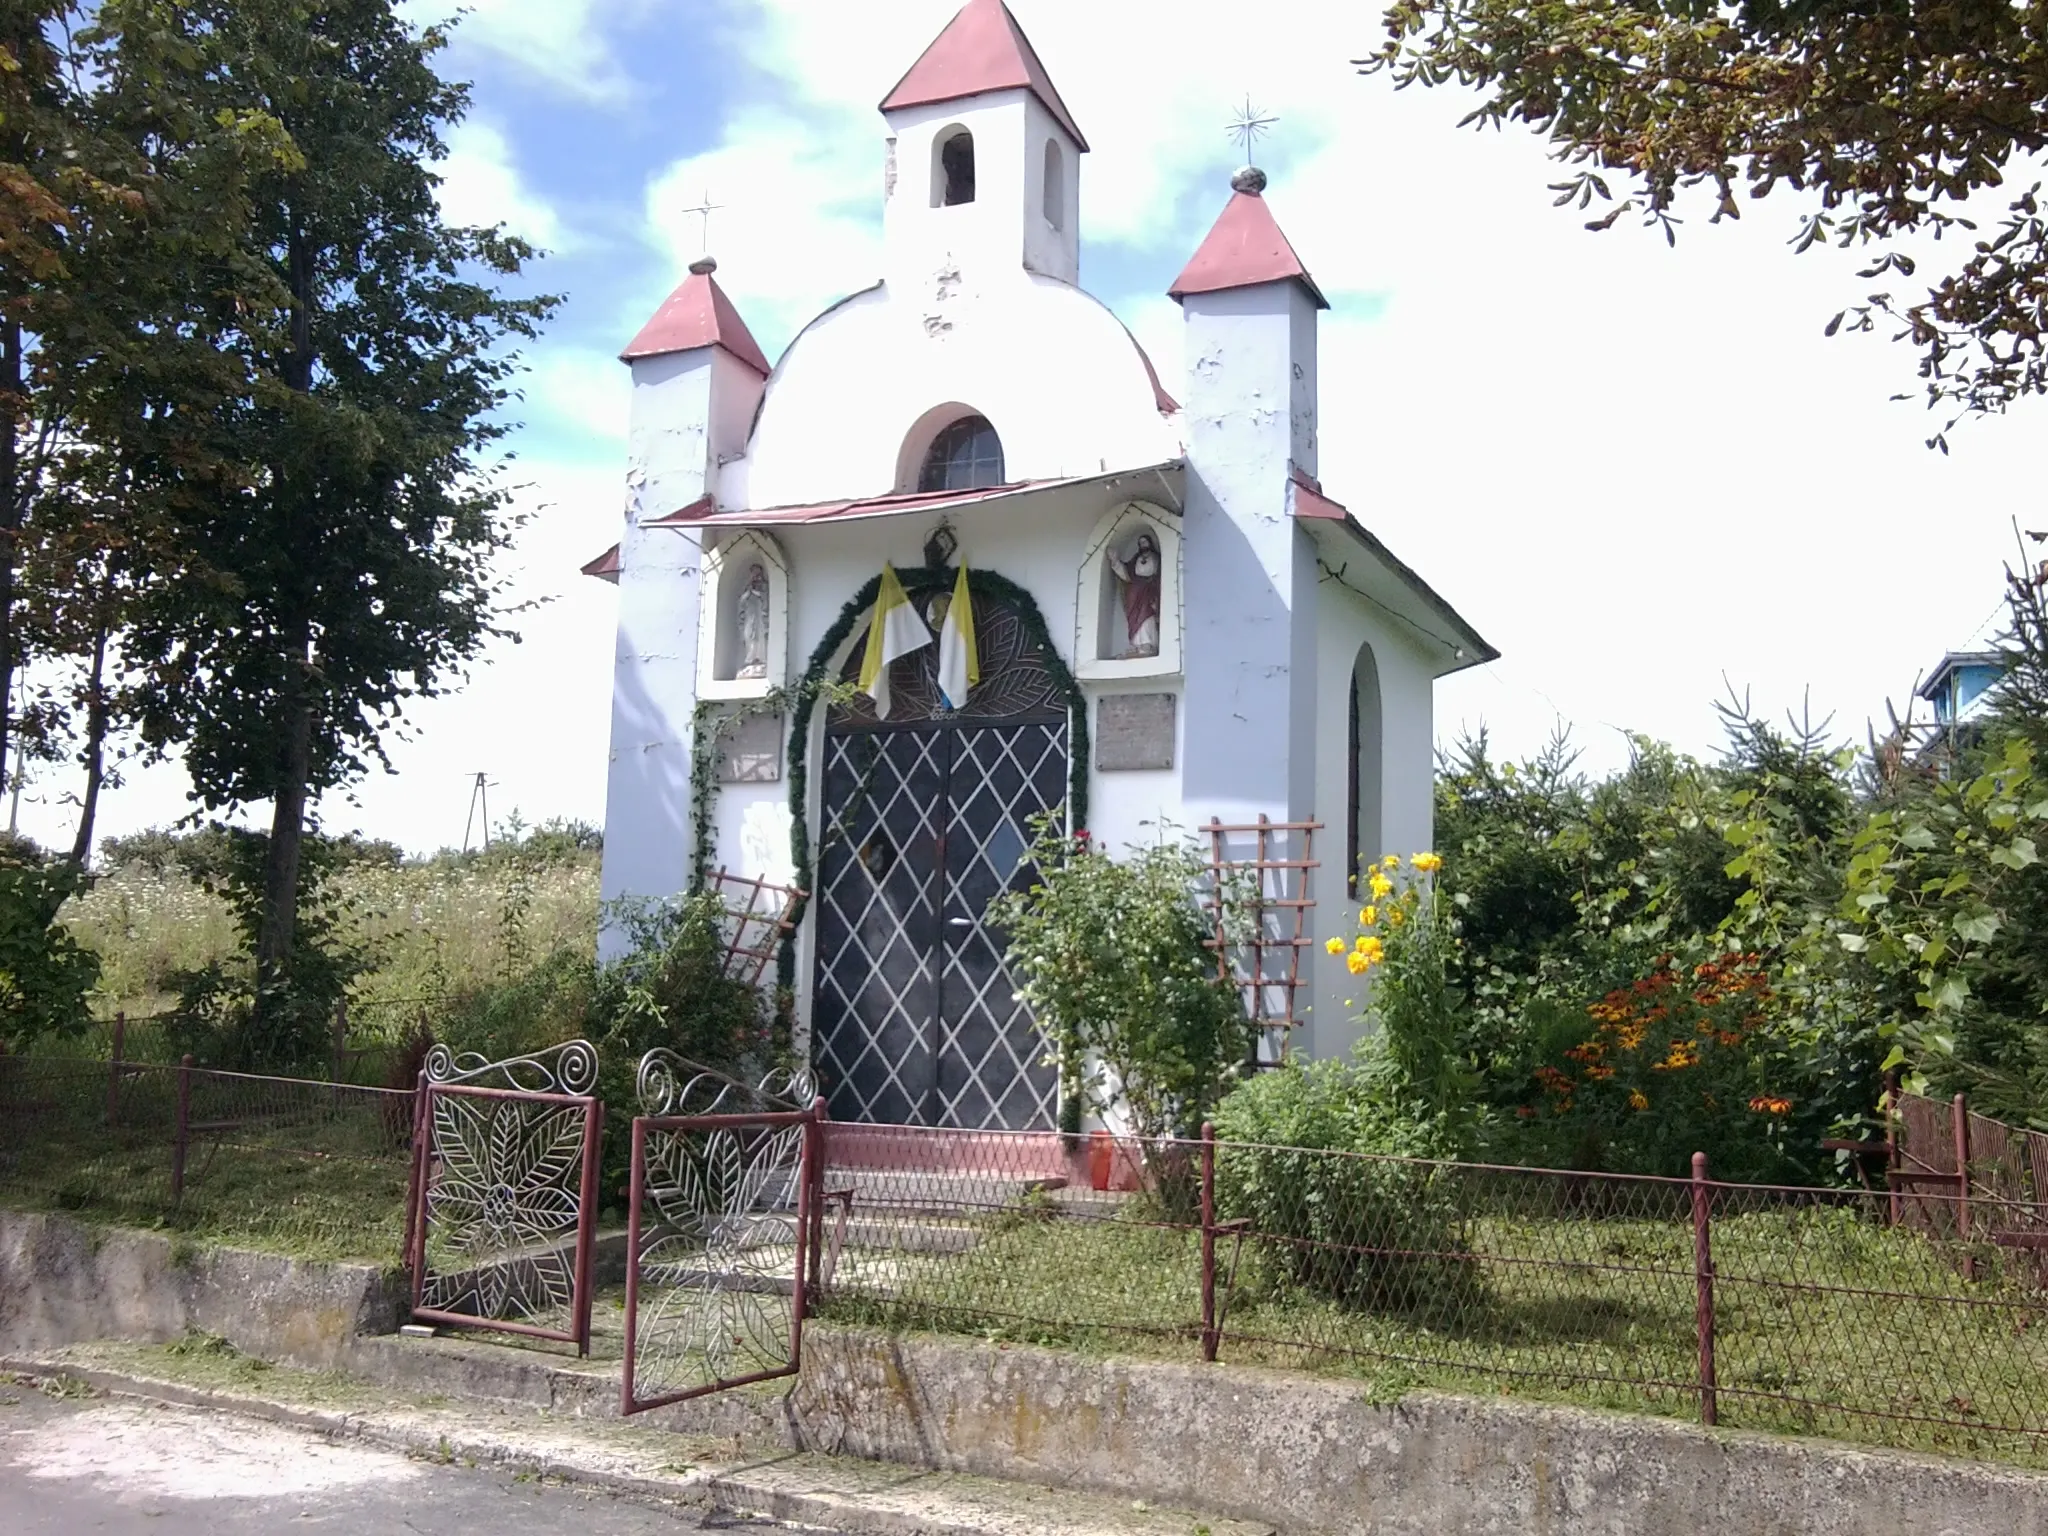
<point x="1134" y="731"/>
<point x="750" y="751"/>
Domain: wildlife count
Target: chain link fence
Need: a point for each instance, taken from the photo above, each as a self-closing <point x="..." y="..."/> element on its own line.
<point x="319" y="1166"/>
<point x="1914" y="1314"/>
<point x="1806" y="1310"/>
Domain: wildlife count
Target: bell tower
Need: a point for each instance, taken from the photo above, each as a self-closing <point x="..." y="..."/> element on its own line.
<point x="984" y="172"/>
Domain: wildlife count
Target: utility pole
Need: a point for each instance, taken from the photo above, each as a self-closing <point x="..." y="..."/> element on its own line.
<point x="479" y="797"/>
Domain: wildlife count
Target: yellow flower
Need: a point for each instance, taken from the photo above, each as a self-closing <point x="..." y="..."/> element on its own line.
<point x="1428" y="863"/>
<point x="1391" y="861"/>
<point x="1397" y="917"/>
<point x="1368" y="915"/>
<point x="1356" y="963"/>
<point x="1371" y="948"/>
<point x="1335" y="946"/>
<point x="1636" y="1099"/>
<point x="1382" y="887"/>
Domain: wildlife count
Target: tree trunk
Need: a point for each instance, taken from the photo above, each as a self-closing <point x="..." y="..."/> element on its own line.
<point x="295" y="763"/>
<point x="13" y="498"/>
<point x="287" y="832"/>
<point x="95" y="751"/>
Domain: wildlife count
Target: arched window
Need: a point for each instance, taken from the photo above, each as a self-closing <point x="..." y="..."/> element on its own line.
<point x="1362" y="820"/>
<point x="1055" y="184"/>
<point x="966" y="456"/>
<point x="953" y="172"/>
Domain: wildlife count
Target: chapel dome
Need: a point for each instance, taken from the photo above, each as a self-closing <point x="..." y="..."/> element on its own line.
<point x="1060" y="378"/>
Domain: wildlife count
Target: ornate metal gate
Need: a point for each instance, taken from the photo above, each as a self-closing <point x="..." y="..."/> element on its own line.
<point x="720" y="1246"/>
<point x="506" y="1190"/>
<point x="927" y="817"/>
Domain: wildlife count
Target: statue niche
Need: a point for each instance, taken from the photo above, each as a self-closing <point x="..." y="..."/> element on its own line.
<point x="743" y="636"/>
<point x="1127" y="617"/>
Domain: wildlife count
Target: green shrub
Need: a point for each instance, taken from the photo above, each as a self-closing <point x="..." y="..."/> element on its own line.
<point x="1315" y="1160"/>
<point x="1111" y="955"/>
<point x="45" y="973"/>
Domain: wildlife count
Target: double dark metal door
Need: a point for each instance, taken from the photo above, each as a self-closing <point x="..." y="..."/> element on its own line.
<point x="915" y="1012"/>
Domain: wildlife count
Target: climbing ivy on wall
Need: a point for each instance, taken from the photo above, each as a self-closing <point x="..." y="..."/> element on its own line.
<point x="918" y="582"/>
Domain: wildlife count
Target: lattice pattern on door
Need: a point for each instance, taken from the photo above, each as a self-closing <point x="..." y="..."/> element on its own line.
<point x="915" y="1015"/>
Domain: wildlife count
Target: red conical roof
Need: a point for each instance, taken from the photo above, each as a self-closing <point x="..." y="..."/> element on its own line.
<point x="698" y="314"/>
<point x="1245" y="248"/>
<point x="982" y="50"/>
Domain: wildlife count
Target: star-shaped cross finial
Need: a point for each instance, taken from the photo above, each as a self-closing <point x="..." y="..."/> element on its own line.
<point x="1248" y="125"/>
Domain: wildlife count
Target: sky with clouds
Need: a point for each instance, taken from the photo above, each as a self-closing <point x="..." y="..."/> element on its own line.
<point x="1638" y="470"/>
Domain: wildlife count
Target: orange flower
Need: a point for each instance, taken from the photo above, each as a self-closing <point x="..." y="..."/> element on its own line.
<point x="1768" y="1104"/>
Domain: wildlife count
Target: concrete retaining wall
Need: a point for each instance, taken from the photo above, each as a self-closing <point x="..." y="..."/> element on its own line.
<point x="1313" y="1455"/>
<point x="1306" y="1454"/>
<point x="64" y="1281"/>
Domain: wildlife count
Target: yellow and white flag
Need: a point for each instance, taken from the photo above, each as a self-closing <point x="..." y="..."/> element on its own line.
<point x="895" y="630"/>
<point x="959" y="662"/>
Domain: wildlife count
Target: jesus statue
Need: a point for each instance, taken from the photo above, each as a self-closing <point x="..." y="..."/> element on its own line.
<point x="1139" y="579"/>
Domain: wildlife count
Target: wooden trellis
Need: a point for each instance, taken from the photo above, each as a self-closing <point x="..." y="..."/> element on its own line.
<point x="757" y="917"/>
<point x="1259" y="897"/>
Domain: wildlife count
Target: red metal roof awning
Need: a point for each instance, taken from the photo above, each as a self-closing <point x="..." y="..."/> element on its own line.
<point x="703" y="514"/>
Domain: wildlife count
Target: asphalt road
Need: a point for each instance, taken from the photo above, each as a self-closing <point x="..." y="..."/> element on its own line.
<point x="125" y="1468"/>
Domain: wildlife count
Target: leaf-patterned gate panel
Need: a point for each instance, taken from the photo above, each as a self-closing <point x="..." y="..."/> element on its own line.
<point x="508" y="1193"/>
<point x="719" y="1232"/>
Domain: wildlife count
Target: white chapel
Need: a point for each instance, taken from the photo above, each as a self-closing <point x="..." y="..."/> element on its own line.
<point x="1176" y="624"/>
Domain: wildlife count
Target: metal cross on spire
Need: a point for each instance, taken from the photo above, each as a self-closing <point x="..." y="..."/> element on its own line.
<point x="704" y="210"/>
<point x="1248" y="125"/>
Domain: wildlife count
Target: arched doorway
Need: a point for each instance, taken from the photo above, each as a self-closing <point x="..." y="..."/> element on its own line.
<point x="924" y="819"/>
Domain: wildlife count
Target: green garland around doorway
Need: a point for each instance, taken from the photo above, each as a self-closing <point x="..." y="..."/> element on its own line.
<point x="918" y="581"/>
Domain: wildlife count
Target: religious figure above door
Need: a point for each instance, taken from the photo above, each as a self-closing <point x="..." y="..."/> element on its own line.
<point x="1128" y="619"/>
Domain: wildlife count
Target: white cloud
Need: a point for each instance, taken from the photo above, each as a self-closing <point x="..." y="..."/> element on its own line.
<point x="481" y="185"/>
<point x="1632" y="468"/>
<point x="798" y="229"/>
<point x="583" y="393"/>
<point x="560" y="44"/>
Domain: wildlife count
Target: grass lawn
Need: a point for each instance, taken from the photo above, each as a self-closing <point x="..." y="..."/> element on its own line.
<point x="1590" y="1311"/>
<point x="323" y="1175"/>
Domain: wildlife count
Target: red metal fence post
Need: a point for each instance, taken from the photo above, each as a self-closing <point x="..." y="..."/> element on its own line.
<point x="340" y="1037"/>
<point x="1892" y="1164"/>
<point x="1210" y="1340"/>
<point x="415" y="1177"/>
<point x="636" y="1182"/>
<point x="1960" y="1114"/>
<point x="182" y="1136"/>
<point x="114" y="1070"/>
<point x="586" y="1222"/>
<point x="1703" y="1272"/>
<point x="809" y="1217"/>
<point x="422" y="1174"/>
<point x="814" y="1169"/>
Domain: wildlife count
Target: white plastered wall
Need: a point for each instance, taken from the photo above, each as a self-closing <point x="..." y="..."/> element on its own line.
<point x="1406" y="815"/>
<point x="1249" y="412"/>
<point x="1041" y="552"/>
<point x="687" y="407"/>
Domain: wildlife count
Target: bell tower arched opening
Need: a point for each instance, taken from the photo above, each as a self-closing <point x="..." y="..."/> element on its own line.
<point x="953" y="168"/>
